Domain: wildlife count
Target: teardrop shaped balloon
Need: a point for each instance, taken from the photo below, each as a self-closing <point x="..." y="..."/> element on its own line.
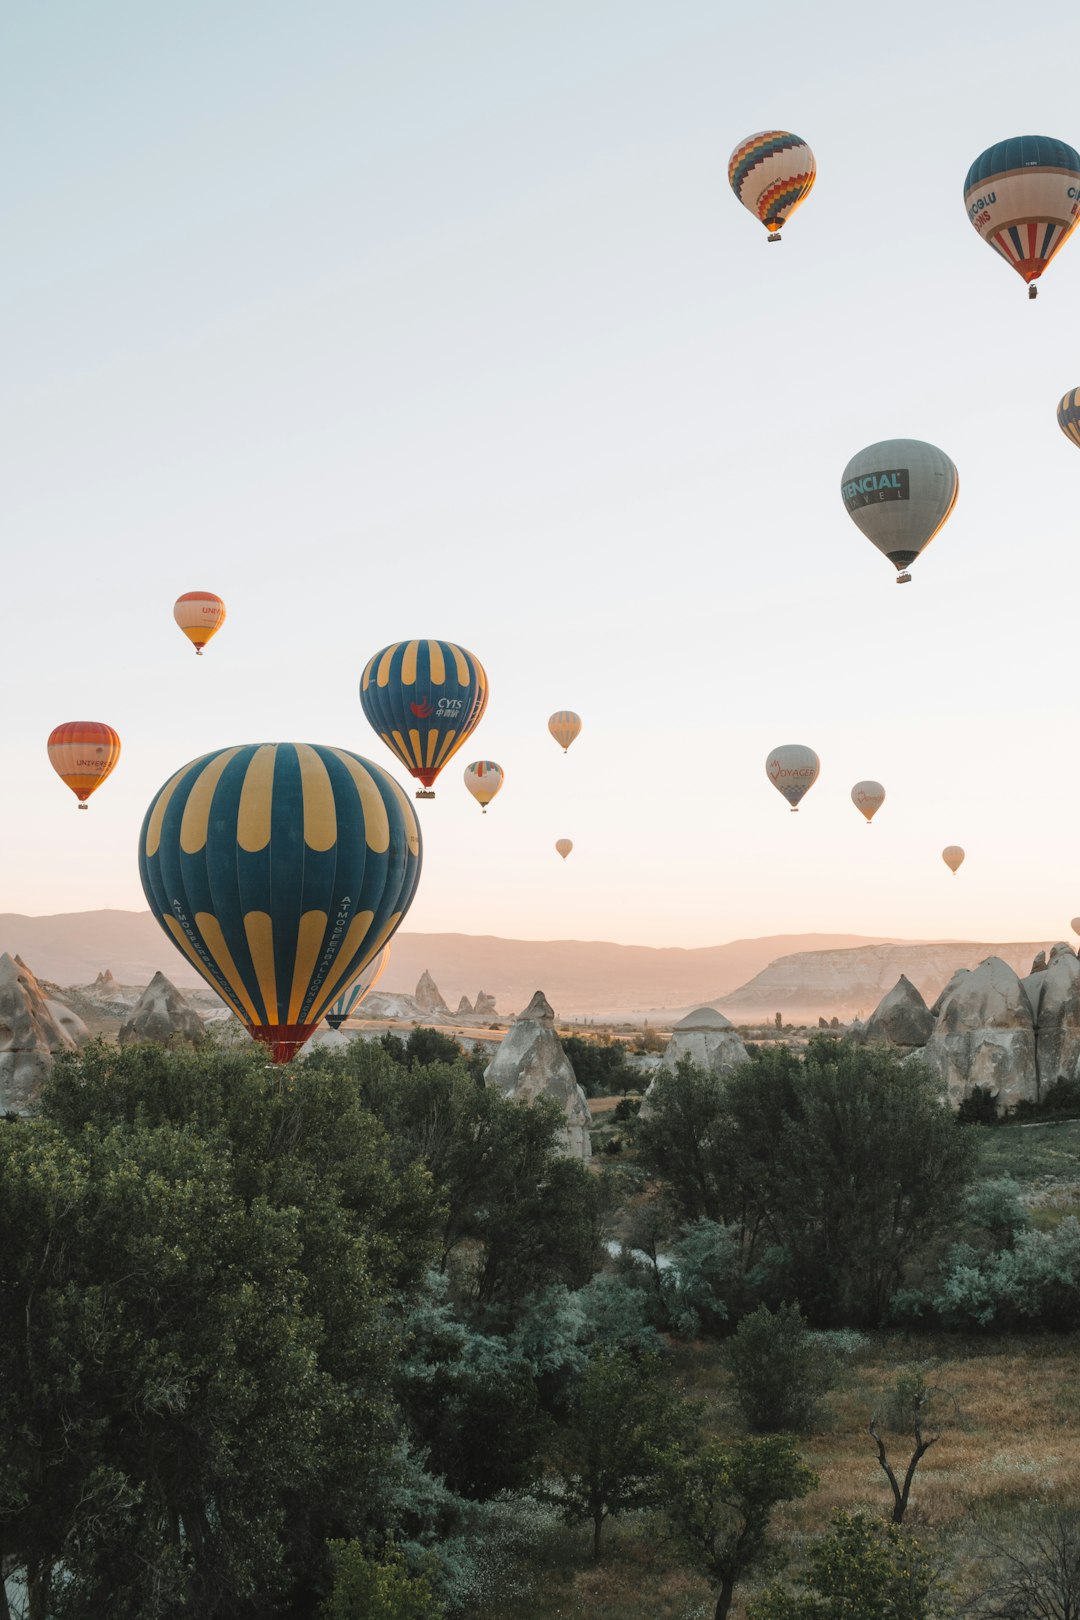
<point x="953" y="856"/>
<point x="1068" y="415"/>
<point x="1021" y="196"/>
<point x="350" y="999"/>
<point x="483" y="778"/>
<point x="869" y="798"/>
<point x="792" y="769"/>
<point x="1075" y="925"/>
<point x="83" y="753"/>
<point x="424" y="698"/>
<point x="771" y="173"/>
<point x="564" y="846"/>
<point x="200" y="615"/>
<point x="899" y="492"/>
<point x="280" y="870"/>
<point x="564" y="726"/>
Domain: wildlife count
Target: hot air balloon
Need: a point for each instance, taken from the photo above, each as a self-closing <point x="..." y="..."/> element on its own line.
<point x="869" y="798"/>
<point x="953" y="856"/>
<point x="424" y="698"/>
<point x="899" y="493"/>
<point x="771" y="173"/>
<point x="83" y="753"/>
<point x="1075" y="925"/>
<point x="483" y="778"/>
<point x="350" y="999"/>
<point x="564" y="846"/>
<point x="564" y="726"/>
<point x="1021" y="196"/>
<point x="792" y="770"/>
<point x="200" y="615"/>
<point x="1068" y="415"/>
<point x="280" y="870"/>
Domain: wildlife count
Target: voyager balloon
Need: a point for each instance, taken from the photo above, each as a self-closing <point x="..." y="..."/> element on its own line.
<point x="1021" y="196"/>
<point x="771" y="173"/>
<point x="564" y="726"/>
<point x="200" y="615"/>
<point x="352" y="998"/>
<point x="424" y="698"/>
<point x="899" y="493"/>
<point x="792" y="769"/>
<point x="280" y="870"/>
<point x="869" y="798"/>
<point x="1068" y="415"/>
<point x="83" y="753"/>
<point x="483" y="778"/>
<point x="564" y="846"/>
<point x="953" y="856"/>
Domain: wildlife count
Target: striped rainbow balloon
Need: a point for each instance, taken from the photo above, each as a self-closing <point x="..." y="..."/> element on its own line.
<point x="771" y="173"/>
<point x="483" y="778"/>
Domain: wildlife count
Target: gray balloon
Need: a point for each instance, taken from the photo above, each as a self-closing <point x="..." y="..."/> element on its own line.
<point x="900" y="492"/>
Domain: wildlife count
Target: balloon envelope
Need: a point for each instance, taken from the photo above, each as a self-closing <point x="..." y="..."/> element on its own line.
<point x="1075" y="925"/>
<point x="280" y="870"/>
<point x="200" y="615"/>
<point x="350" y="999"/>
<point x="899" y="492"/>
<point x="83" y="753"/>
<point x="564" y="726"/>
<point x="771" y="173"/>
<point x="483" y="778"/>
<point x="1068" y="415"/>
<point x="1021" y="197"/>
<point x="564" y="846"/>
<point x="953" y="856"/>
<point x="424" y="698"/>
<point x="792" y="769"/>
<point x="869" y="798"/>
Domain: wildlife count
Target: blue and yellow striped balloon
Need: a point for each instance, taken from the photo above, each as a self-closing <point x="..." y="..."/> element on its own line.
<point x="351" y="998"/>
<point x="424" y="698"/>
<point x="1069" y="415"/>
<point x="280" y="870"/>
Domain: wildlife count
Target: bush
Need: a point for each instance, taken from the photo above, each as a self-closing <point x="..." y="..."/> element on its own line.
<point x="863" y="1570"/>
<point x="627" y="1108"/>
<point x="366" y="1588"/>
<point x="779" y="1371"/>
<point x="979" y="1107"/>
<point x="1036" y="1283"/>
<point x="600" y="1068"/>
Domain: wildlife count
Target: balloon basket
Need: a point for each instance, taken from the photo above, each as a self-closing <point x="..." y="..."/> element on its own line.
<point x="82" y="807"/>
<point x="425" y="793"/>
<point x="904" y="578"/>
<point x="1033" y="292"/>
<point x="774" y="236"/>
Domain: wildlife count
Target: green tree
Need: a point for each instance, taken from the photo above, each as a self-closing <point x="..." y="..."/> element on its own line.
<point x="862" y="1570"/>
<point x="719" y="1502"/>
<point x="779" y="1371"/>
<point x="621" y="1418"/>
<point x="600" y="1067"/>
<point x="366" y="1588"/>
<point x="684" y="1141"/>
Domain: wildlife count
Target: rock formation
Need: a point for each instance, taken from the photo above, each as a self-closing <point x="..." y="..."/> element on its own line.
<point x="901" y="1019"/>
<point x="70" y="1022"/>
<point x="1057" y="1019"/>
<point x="985" y="1036"/>
<point x="105" y="985"/>
<point x="161" y="1014"/>
<point x="709" y="1039"/>
<point x="427" y="995"/>
<point x="531" y="1063"/>
<point x="946" y="992"/>
<point x="485" y="1005"/>
<point x="464" y="1008"/>
<point x="30" y="1037"/>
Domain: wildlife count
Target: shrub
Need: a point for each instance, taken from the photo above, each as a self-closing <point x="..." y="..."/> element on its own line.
<point x="979" y="1107"/>
<point x="779" y="1371"/>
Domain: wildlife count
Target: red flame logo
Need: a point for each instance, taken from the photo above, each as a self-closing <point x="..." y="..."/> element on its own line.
<point x="422" y="709"/>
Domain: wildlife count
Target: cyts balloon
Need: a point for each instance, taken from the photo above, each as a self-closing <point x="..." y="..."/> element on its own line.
<point x="483" y="778"/>
<point x="869" y="798"/>
<point x="1021" y="196"/>
<point x="83" y="753"/>
<point x="899" y="493"/>
<point x="280" y="870"/>
<point x="424" y="698"/>
<point x="200" y="615"/>
<point x="792" y="769"/>
<point x="771" y="173"/>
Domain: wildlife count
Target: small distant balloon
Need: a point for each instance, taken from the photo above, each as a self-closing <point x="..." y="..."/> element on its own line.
<point x="900" y="492"/>
<point x="564" y="846"/>
<point x="953" y="856"/>
<point x="1075" y="925"/>
<point x="483" y="778"/>
<point x="200" y="615"/>
<point x="869" y="798"/>
<point x="792" y="769"/>
<point x="771" y="173"/>
<point x="1020" y="195"/>
<point x="83" y="753"/>
<point x="347" y="1003"/>
<point x="564" y="726"/>
<point x="1068" y="415"/>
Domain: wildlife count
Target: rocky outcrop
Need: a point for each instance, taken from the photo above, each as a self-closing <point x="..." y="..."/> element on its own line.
<point x="30" y="1037"/>
<point x="427" y="995"/>
<point x="708" y="1039"/>
<point x="485" y="1005"/>
<point x="531" y="1063"/>
<point x="106" y="986"/>
<point x="70" y="1022"/>
<point x="901" y="1019"/>
<point x="161" y="1014"/>
<point x="946" y="992"/>
<point x="985" y="1036"/>
<point x="1057" y="1018"/>
<point x="464" y="1008"/>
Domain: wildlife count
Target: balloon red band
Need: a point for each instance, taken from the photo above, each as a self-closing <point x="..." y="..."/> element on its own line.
<point x="284" y="1040"/>
<point x="427" y="777"/>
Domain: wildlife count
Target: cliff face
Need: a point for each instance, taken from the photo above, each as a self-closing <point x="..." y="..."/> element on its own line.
<point x="847" y="983"/>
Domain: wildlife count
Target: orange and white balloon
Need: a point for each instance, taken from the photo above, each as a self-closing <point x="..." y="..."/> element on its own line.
<point x="869" y="798"/>
<point x="564" y="846"/>
<point x="483" y="778"/>
<point x="564" y="726"/>
<point x="953" y="856"/>
<point x="83" y="753"/>
<point x="200" y="615"/>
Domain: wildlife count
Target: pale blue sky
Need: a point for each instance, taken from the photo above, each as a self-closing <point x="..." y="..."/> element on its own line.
<point x="392" y="320"/>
